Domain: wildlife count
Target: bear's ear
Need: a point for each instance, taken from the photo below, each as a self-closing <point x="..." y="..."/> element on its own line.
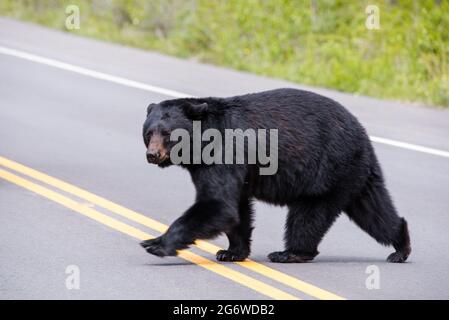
<point x="149" y="108"/>
<point x="195" y="111"/>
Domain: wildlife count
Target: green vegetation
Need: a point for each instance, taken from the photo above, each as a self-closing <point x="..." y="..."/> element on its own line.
<point x="316" y="42"/>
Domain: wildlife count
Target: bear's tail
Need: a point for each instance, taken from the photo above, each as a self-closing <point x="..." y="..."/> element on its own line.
<point x="374" y="212"/>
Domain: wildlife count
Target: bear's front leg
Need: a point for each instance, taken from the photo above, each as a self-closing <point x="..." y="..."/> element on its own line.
<point x="204" y="220"/>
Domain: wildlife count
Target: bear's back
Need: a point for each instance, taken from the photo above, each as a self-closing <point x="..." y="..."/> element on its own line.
<point x="317" y="137"/>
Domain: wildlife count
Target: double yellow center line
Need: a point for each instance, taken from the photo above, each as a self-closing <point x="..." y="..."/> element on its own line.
<point x="221" y="269"/>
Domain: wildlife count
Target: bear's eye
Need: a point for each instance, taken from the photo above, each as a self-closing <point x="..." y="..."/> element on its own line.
<point x="165" y="132"/>
<point x="149" y="133"/>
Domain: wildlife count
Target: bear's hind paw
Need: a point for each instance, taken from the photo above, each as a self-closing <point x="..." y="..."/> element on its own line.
<point x="289" y="257"/>
<point x="397" y="257"/>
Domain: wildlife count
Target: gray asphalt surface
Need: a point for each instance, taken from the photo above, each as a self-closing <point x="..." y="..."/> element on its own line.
<point x="87" y="132"/>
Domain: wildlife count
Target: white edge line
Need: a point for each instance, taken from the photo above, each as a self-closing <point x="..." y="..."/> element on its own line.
<point x="176" y="94"/>
<point x="91" y="73"/>
<point x="409" y="146"/>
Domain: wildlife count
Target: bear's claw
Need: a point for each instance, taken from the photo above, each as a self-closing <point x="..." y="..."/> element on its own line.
<point x="228" y="255"/>
<point x="156" y="246"/>
<point x="397" y="257"/>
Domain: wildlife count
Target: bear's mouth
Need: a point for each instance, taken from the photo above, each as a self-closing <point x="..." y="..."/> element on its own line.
<point x="164" y="161"/>
<point x="158" y="159"/>
<point x="163" y="158"/>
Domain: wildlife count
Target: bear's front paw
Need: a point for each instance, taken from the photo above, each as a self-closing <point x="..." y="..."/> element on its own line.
<point x="289" y="257"/>
<point x="229" y="255"/>
<point x="158" y="247"/>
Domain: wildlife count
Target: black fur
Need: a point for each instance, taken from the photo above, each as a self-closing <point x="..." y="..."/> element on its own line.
<point x="327" y="166"/>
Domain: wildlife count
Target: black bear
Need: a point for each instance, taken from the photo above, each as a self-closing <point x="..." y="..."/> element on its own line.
<point x="325" y="165"/>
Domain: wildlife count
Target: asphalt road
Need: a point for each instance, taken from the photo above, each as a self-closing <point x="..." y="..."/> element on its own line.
<point x="84" y="129"/>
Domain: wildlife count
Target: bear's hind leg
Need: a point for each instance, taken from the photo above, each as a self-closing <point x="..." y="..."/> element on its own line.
<point x="374" y="212"/>
<point x="240" y="235"/>
<point x="307" y="223"/>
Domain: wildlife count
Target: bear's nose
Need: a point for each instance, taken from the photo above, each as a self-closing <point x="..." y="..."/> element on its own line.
<point x="152" y="156"/>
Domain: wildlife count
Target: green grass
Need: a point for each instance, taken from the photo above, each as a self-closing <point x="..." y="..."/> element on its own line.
<point x="316" y="42"/>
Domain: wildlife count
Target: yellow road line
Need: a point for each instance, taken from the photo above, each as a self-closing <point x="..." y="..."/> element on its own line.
<point x="268" y="272"/>
<point x="215" y="267"/>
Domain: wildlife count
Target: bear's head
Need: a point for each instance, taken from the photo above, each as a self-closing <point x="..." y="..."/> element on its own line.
<point x="162" y="119"/>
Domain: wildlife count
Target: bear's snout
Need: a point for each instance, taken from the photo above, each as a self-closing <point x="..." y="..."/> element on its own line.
<point x="152" y="157"/>
<point x="156" y="152"/>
